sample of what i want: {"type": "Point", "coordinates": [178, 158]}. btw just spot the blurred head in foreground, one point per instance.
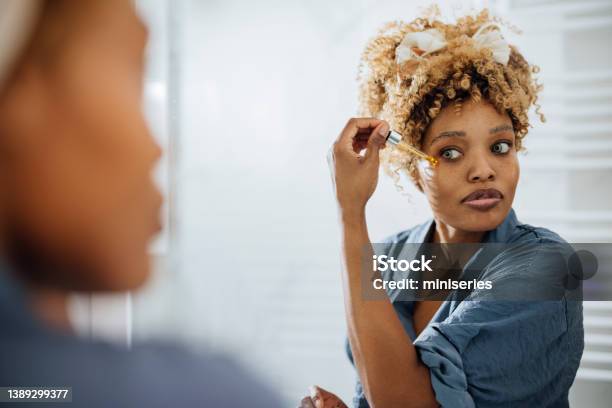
{"type": "Point", "coordinates": [78, 206]}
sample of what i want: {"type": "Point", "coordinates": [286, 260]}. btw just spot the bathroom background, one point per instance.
{"type": "Point", "coordinates": [246, 97]}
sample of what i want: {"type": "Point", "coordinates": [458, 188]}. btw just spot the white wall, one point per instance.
{"type": "Point", "coordinates": [266, 87]}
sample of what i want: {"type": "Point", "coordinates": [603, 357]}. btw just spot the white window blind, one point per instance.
{"type": "Point", "coordinates": [566, 173]}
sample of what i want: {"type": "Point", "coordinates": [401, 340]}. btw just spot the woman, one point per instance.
{"type": "Point", "coordinates": [461, 94]}
{"type": "Point", "coordinates": [78, 208]}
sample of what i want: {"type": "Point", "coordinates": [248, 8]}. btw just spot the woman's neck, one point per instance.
{"type": "Point", "coordinates": [51, 306]}
{"type": "Point", "coordinates": [445, 234]}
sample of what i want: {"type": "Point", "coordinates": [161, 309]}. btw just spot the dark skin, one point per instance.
{"type": "Point", "coordinates": [476, 151]}
{"type": "Point", "coordinates": [79, 206]}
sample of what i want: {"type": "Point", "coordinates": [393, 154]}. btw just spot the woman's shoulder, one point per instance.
{"type": "Point", "coordinates": [513, 231]}
{"type": "Point", "coordinates": [532, 263]}
{"type": "Point", "coordinates": [526, 232]}
{"type": "Point", "coordinates": [530, 245]}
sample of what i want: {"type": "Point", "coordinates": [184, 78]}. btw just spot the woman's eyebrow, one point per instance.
{"type": "Point", "coordinates": [448, 133]}
{"type": "Point", "coordinates": [460, 133]}
{"type": "Point", "coordinates": [501, 128]}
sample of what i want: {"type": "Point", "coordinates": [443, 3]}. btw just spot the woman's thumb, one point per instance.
{"type": "Point", "coordinates": [317, 396]}
{"type": "Point", "coordinates": [376, 141]}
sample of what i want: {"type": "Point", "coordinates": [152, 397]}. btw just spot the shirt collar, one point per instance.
{"type": "Point", "coordinates": [502, 233]}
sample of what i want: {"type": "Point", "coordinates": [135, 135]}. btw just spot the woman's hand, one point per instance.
{"type": "Point", "coordinates": [355, 176]}
{"type": "Point", "coordinates": [320, 398]}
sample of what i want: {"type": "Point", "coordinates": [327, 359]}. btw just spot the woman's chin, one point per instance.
{"type": "Point", "coordinates": [135, 276]}
{"type": "Point", "coordinates": [478, 220]}
{"type": "Point", "coordinates": [123, 275]}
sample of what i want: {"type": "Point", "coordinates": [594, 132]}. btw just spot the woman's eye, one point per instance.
{"type": "Point", "coordinates": [500, 148]}
{"type": "Point", "coordinates": [450, 154]}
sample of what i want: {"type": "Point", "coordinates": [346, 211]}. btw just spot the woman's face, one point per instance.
{"type": "Point", "coordinates": [473, 186]}
{"type": "Point", "coordinates": [78, 202]}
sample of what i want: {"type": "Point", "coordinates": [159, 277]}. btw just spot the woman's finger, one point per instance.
{"type": "Point", "coordinates": [307, 403]}
{"type": "Point", "coordinates": [376, 142]}
{"type": "Point", "coordinates": [325, 399]}
{"type": "Point", "coordinates": [316, 391]}
{"type": "Point", "coordinates": [320, 397]}
{"type": "Point", "coordinates": [359, 145]}
{"type": "Point", "coordinates": [353, 127]}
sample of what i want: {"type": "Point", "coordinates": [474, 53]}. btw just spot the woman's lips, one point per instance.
{"type": "Point", "coordinates": [483, 199]}
{"type": "Point", "coordinates": [483, 204]}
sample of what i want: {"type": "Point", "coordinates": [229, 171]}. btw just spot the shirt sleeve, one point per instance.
{"type": "Point", "coordinates": [500, 351]}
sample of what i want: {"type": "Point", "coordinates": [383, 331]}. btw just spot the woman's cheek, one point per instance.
{"type": "Point", "coordinates": [510, 173]}
{"type": "Point", "coordinates": [437, 183]}
{"type": "Point", "coordinates": [428, 174]}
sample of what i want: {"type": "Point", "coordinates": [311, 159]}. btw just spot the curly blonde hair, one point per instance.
{"type": "Point", "coordinates": [410, 95]}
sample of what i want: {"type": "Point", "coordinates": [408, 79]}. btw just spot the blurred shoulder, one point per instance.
{"type": "Point", "coordinates": [147, 375]}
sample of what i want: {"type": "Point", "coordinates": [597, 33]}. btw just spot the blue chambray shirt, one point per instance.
{"type": "Point", "coordinates": [489, 353]}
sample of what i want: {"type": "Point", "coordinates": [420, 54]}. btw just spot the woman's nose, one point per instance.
{"type": "Point", "coordinates": [481, 170]}
{"type": "Point", "coordinates": [153, 149]}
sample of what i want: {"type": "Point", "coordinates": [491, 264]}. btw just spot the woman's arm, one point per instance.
{"type": "Point", "coordinates": [386, 361]}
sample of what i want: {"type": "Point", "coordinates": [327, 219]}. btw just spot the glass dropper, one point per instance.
{"type": "Point", "coordinates": [395, 139]}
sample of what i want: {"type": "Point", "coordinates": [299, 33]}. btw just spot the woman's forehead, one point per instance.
{"type": "Point", "coordinates": [472, 119]}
